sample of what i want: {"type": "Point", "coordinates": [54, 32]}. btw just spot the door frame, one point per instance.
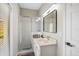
{"type": "Point", "coordinates": [9, 25]}
{"type": "Point", "coordinates": [64, 30]}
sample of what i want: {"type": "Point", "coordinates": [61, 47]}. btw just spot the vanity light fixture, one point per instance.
{"type": "Point", "coordinates": [38, 19]}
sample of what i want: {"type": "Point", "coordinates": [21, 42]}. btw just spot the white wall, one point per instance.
{"type": "Point", "coordinates": [60, 18]}
{"type": "Point", "coordinates": [14, 16]}
{"type": "Point", "coordinates": [28, 12]}
{"type": "Point", "coordinates": [37, 24]}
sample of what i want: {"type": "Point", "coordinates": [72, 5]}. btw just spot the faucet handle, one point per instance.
{"type": "Point", "coordinates": [48, 37]}
{"type": "Point", "coordinates": [42, 36]}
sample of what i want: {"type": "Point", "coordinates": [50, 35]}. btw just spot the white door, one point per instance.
{"type": "Point", "coordinates": [26, 33]}
{"type": "Point", "coordinates": [72, 29]}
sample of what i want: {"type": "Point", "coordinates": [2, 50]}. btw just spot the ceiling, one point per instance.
{"type": "Point", "coordinates": [34, 6]}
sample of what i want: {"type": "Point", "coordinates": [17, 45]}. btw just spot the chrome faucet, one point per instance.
{"type": "Point", "coordinates": [42, 36]}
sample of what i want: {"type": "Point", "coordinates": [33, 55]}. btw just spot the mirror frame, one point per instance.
{"type": "Point", "coordinates": [44, 22]}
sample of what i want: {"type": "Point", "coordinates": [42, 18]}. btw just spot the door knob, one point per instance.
{"type": "Point", "coordinates": [69, 44]}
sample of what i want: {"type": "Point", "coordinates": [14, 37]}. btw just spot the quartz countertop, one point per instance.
{"type": "Point", "coordinates": [44, 41]}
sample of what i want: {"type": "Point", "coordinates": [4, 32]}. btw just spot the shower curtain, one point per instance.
{"type": "Point", "coordinates": [24, 33]}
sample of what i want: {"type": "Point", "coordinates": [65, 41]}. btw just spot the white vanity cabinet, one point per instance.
{"type": "Point", "coordinates": [43, 47]}
{"type": "Point", "coordinates": [36, 49]}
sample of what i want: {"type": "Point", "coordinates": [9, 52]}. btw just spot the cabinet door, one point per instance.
{"type": "Point", "coordinates": [49, 50]}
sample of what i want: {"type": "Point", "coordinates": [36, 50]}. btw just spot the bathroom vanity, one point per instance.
{"type": "Point", "coordinates": [44, 47]}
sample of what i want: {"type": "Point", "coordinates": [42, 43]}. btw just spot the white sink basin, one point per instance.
{"type": "Point", "coordinates": [45, 41]}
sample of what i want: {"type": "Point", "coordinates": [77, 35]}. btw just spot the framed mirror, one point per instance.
{"type": "Point", "coordinates": [50, 22]}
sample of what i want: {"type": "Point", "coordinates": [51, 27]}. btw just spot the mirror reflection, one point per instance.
{"type": "Point", "coordinates": [50, 22]}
